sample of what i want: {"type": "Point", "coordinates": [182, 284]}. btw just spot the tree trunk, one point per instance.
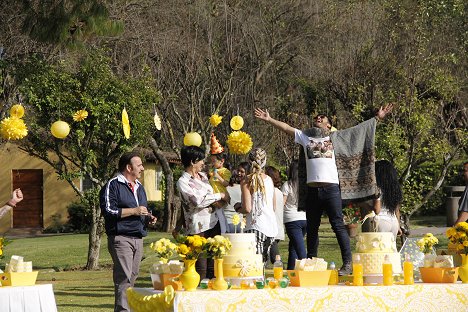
{"type": "Point", "coordinates": [95, 235]}
{"type": "Point", "coordinates": [170, 210]}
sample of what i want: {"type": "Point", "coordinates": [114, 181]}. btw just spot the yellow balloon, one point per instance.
{"type": "Point", "coordinates": [17, 111]}
{"type": "Point", "coordinates": [192, 139]}
{"type": "Point", "coordinates": [60, 129]}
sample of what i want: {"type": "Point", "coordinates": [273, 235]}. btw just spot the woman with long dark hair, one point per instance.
{"type": "Point", "coordinates": [294, 220]}
{"type": "Point", "coordinates": [387, 205]}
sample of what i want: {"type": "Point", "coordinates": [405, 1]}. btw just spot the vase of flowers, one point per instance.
{"type": "Point", "coordinates": [162, 271]}
{"type": "Point", "coordinates": [216, 248]}
{"type": "Point", "coordinates": [351, 218]}
{"type": "Point", "coordinates": [426, 245]}
{"type": "Point", "coordinates": [190, 248]}
{"type": "Point", "coordinates": [458, 236]}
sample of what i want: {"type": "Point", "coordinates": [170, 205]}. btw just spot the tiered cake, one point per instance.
{"type": "Point", "coordinates": [242, 260]}
{"type": "Point", "coordinates": [372, 248]}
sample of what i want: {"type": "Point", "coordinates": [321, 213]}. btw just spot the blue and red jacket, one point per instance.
{"type": "Point", "coordinates": [114, 196]}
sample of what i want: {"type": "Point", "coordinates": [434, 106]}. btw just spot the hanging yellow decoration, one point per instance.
{"type": "Point", "coordinates": [13, 128]}
{"type": "Point", "coordinates": [80, 115]}
{"type": "Point", "coordinates": [215, 120]}
{"type": "Point", "coordinates": [192, 139]}
{"type": "Point", "coordinates": [60, 129]}
{"type": "Point", "coordinates": [157, 121]}
{"type": "Point", "coordinates": [125, 124]}
{"type": "Point", "coordinates": [239, 142]}
{"type": "Point", "coordinates": [17, 111]}
{"type": "Point", "coordinates": [237, 122]}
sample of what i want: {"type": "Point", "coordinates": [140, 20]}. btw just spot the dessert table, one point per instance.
{"type": "Point", "coordinates": [418, 297]}
{"type": "Point", "coordinates": [37, 298]}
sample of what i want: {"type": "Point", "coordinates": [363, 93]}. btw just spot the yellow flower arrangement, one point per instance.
{"type": "Point", "coordinates": [239, 142]}
{"type": "Point", "coordinates": [426, 243]}
{"type": "Point", "coordinates": [217, 247]}
{"type": "Point", "coordinates": [215, 120]}
{"type": "Point", "coordinates": [458, 235]}
{"type": "Point", "coordinates": [3, 243]}
{"type": "Point", "coordinates": [80, 115]}
{"type": "Point", "coordinates": [235, 221]}
{"type": "Point", "coordinates": [164, 249]}
{"type": "Point", "coordinates": [190, 247]}
{"type": "Point", "coordinates": [237, 122]}
{"type": "Point", "coordinates": [13, 128]}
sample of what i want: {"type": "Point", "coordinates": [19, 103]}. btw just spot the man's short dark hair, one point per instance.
{"type": "Point", "coordinates": [126, 159]}
{"type": "Point", "coordinates": [328, 118]}
{"type": "Point", "coordinates": [191, 154]}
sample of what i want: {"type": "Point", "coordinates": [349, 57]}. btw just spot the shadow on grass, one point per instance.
{"type": "Point", "coordinates": [83, 294]}
{"type": "Point", "coordinates": [98, 306]}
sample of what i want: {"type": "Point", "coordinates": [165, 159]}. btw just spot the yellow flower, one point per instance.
{"type": "Point", "coordinates": [13, 128]}
{"type": "Point", "coordinates": [215, 120]}
{"type": "Point", "coordinates": [237, 122]}
{"type": "Point", "coordinates": [183, 249]}
{"type": "Point", "coordinates": [235, 219]}
{"type": "Point", "coordinates": [239, 142]}
{"type": "Point", "coordinates": [80, 115]}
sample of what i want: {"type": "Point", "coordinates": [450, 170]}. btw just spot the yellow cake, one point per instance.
{"type": "Point", "coordinates": [372, 248]}
{"type": "Point", "coordinates": [242, 260]}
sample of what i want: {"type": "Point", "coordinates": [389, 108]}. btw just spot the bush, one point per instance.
{"type": "Point", "coordinates": [79, 217]}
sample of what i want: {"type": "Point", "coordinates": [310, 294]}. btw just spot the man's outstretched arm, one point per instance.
{"type": "Point", "coordinates": [264, 115]}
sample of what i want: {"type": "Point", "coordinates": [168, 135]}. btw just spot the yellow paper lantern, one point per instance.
{"type": "Point", "coordinates": [192, 139]}
{"type": "Point", "coordinates": [17, 111]}
{"type": "Point", "coordinates": [60, 129]}
{"type": "Point", "coordinates": [237, 122]}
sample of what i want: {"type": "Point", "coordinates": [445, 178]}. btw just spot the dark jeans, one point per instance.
{"type": "Point", "coordinates": [326, 198]}
{"type": "Point", "coordinates": [296, 230]}
{"type": "Point", "coordinates": [204, 266]}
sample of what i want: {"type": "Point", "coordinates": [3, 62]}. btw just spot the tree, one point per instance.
{"type": "Point", "coordinates": [57, 91]}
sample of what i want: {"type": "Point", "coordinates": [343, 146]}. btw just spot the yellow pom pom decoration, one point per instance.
{"type": "Point", "coordinates": [80, 115]}
{"type": "Point", "coordinates": [13, 128]}
{"type": "Point", "coordinates": [239, 142]}
{"type": "Point", "coordinates": [215, 120]}
{"type": "Point", "coordinates": [237, 122]}
{"type": "Point", "coordinates": [125, 124]}
{"type": "Point", "coordinates": [17, 111]}
{"type": "Point", "coordinates": [60, 129]}
{"type": "Point", "coordinates": [192, 139]}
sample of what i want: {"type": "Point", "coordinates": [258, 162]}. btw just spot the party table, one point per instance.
{"type": "Point", "coordinates": [37, 298]}
{"type": "Point", "coordinates": [419, 297]}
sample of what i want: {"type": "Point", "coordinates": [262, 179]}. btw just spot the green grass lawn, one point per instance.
{"type": "Point", "coordinates": [59, 258]}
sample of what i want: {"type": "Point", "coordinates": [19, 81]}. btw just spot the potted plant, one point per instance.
{"type": "Point", "coordinates": [351, 218]}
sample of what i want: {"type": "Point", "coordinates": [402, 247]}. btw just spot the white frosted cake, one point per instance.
{"type": "Point", "coordinates": [242, 260]}
{"type": "Point", "coordinates": [372, 248]}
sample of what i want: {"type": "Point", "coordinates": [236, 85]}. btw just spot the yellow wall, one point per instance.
{"type": "Point", "coordinates": [149, 182]}
{"type": "Point", "coordinates": [57, 194]}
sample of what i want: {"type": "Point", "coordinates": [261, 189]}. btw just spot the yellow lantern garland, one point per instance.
{"type": "Point", "coordinates": [237, 122]}
{"type": "Point", "coordinates": [239, 142]}
{"type": "Point", "coordinates": [125, 124]}
{"type": "Point", "coordinates": [60, 129]}
{"type": "Point", "coordinates": [215, 120]}
{"type": "Point", "coordinates": [13, 128]}
{"type": "Point", "coordinates": [80, 115]}
{"type": "Point", "coordinates": [192, 139]}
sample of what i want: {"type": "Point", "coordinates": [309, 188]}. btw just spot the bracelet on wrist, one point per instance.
{"type": "Point", "coordinates": [9, 203]}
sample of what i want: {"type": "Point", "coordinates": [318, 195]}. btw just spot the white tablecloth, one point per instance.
{"type": "Point", "coordinates": [37, 298]}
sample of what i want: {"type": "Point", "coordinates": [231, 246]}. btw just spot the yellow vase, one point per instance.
{"type": "Point", "coordinates": [219, 282]}
{"type": "Point", "coordinates": [190, 277]}
{"type": "Point", "coordinates": [463, 270]}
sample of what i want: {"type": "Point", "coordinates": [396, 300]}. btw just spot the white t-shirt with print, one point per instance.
{"type": "Point", "coordinates": [320, 158]}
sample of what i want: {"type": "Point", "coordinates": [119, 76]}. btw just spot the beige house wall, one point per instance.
{"type": "Point", "coordinates": [57, 194]}
{"type": "Point", "coordinates": [148, 180]}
